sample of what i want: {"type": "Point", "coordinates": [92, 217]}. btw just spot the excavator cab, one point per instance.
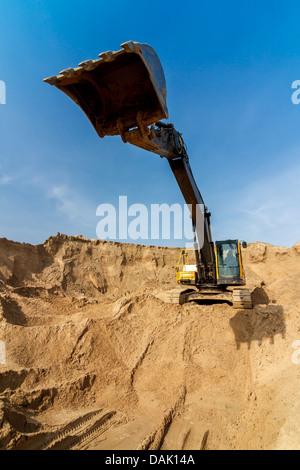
{"type": "Point", "coordinates": [229, 268]}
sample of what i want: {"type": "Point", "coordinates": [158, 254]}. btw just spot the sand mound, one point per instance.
{"type": "Point", "coordinates": [96, 360]}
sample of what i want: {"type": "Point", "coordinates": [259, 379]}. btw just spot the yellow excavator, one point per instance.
{"type": "Point", "coordinates": [124, 93]}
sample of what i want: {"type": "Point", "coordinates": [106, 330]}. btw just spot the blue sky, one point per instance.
{"type": "Point", "coordinates": [229, 68]}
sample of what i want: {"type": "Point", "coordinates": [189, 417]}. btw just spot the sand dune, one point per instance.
{"type": "Point", "coordinates": [96, 360]}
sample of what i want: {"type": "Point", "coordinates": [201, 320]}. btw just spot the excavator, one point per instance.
{"type": "Point", "coordinates": [124, 93]}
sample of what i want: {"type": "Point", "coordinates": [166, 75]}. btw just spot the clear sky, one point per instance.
{"type": "Point", "coordinates": [229, 68]}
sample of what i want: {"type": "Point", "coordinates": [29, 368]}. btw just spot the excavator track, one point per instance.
{"type": "Point", "coordinates": [239, 297]}
{"type": "Point", "coordinates": [176, 296]}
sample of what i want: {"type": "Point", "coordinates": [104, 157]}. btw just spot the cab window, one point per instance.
{"type": "Point", "coordinates": [228, 260]}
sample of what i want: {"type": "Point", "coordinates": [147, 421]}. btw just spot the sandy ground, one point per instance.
{"type": "Point", "coordinates": [96, 360]}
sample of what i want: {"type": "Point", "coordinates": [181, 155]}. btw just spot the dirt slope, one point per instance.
{"type": "Point", "coordinates": [95, 359]}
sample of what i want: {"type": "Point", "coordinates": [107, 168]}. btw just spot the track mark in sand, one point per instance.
{"type": "Point", "coordinates": [185, 439]}
{"type": "Point", "coordinates": [96, 430]}
{"type": "Point", "coordinates": [156, 439]}
{"type": "Point", "coordinates": [204, 441]}
{"type": "Point", "coordinates": [73, 426]}
{"type": "Point", "coordinates": [45, 440]}
{"type": "Point", "coordinates": [79, 435]}
{"type": "Point", "coordinates": [73, 432]}
{"type": "Point", "coordinates": [76, 426]}
{"type": "Point", "coordinates": [139, 362]}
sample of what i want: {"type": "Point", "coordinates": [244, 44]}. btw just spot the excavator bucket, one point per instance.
{"type": "Point", "coordinates": [120, 91]}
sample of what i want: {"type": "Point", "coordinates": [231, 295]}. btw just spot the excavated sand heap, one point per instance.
{"type": "Point", "coordinates": [94, 359]}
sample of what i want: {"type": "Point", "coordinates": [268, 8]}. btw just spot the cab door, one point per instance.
{"type": "Point", "coordinates": [229, 263]}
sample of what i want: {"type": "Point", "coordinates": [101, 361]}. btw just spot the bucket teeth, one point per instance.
{"type": "Point", "coordinates": [107, 56]}
{"type": "Point", "coordinates": [52, 80]}
{"type": "Point", "coordinates": [68, 73]}
{"type": "Point", "coordinates": [131, 46]}
{"type": "Point", "coordinates": [89, 64]}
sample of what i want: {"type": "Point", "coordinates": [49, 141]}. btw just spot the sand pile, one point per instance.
{"type": "Point", "coordinates": [96, 360]}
